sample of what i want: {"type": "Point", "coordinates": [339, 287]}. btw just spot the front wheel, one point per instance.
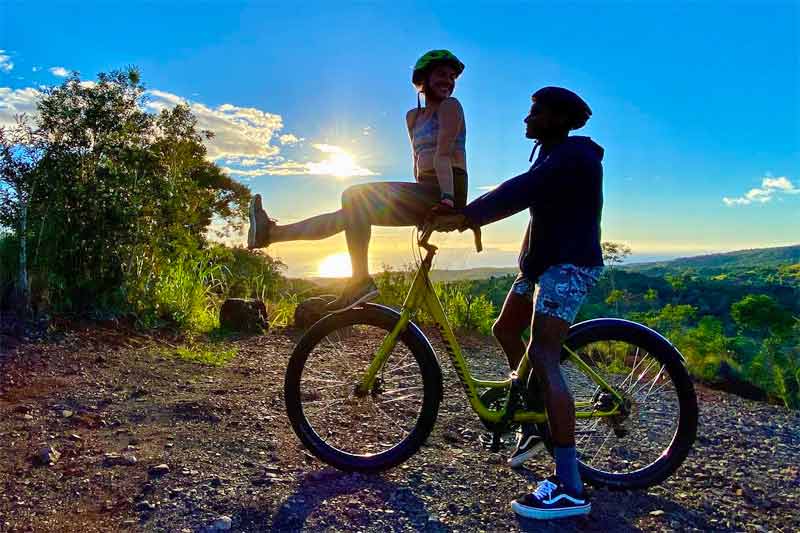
{"type": "Point", "coordinates": [644, 446]}
{"type": "Point", "coordinates": [376, 431]}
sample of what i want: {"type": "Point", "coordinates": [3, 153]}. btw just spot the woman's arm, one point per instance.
{"type": "Point", "coordinates": [410, 119]}
{"type": "Point", "coordinates": [451, 120]}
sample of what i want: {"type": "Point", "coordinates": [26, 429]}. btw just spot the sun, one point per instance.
{"type": "Point", "coordinates": [342, 165]}
{"type": "Point", "coordinates": [337, 163]}
{"type": "Point", "coordinates": [335, 266]}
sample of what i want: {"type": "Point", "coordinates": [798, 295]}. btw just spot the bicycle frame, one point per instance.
{"type": "Point", "coordinates": [422, 296]}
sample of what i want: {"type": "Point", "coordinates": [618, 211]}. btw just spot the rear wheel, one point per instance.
{"type": "Point", "coordinates": [386, 426]}
{"type": "Point", "coordinates": [647, 444]}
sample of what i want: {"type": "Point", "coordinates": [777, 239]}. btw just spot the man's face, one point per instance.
{"type": "Point", "coordinates": [538, 121]}
{"type": "Point", "coordinates": [442, 82]}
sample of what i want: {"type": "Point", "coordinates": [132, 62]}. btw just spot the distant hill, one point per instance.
{"type": "Point", "coordinates": [473, 273]}
{"type": "Point", "coordinates": [436, 275]}
{"type": "Point", "coordinates": [707, 265]}
{"type": "Point", "coordinates": [716, 263]}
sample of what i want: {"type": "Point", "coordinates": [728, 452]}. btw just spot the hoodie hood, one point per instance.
{"type": "Point", "coordinates": [586, 144]}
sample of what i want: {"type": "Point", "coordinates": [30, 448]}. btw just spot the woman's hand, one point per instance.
{"type": "Point", "coordinates": [442, 217]}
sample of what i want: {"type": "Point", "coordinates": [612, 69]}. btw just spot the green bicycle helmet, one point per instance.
{"type": "Point", "coordinates": [431, 59]}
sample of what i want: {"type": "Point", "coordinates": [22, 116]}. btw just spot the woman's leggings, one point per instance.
{"type": "Point", "coordinates": [373, 204]}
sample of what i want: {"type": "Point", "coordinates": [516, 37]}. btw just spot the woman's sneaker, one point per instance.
{"type": "Point", "coordinates": [260, 224]}
{"type": "Point", "coordinates": [551, 500]}
{"type": "Point", "coordinates": [354, 293]}
{"type": "Point", "coordinates": [529, 443]}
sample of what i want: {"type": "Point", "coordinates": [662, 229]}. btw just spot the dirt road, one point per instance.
{"type": "Point", "coordinates": [104, 432]}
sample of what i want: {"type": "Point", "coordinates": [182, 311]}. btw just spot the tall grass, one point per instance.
{"type": "Point", "coordinates": [464, 307]}
{"type": "Point", "coordinates": [188, 291]}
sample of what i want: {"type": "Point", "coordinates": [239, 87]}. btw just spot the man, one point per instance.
{"type": "Point", "coordinates": [562, 257]}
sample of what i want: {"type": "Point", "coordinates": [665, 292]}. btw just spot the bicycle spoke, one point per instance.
{"type": "Point", "coordinates": [633, 439]}
{"type": "Point", "coordinates": [361, 425]}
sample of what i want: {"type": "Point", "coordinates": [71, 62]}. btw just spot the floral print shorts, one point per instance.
{"type": "Point", "coordinates": [561, 289]}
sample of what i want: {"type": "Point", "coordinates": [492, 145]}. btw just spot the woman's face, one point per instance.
{"type": "Point", "coordinates": [441, 82]}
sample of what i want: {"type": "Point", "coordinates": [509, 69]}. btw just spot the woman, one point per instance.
{"type": "Point", "coordinates": [438, 134]}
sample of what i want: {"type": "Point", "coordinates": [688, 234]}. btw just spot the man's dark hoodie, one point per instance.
{"type": "Point", "coordinates": [564, 192]}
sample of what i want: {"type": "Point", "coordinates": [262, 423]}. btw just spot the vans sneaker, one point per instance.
{"type": "Point", "coordinates": [551, 500]}
{"type": "Point", "coordinates": [529, 443]}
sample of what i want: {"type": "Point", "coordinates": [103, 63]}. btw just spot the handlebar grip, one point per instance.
{"type": "Point", "coordinates": [478, 243]}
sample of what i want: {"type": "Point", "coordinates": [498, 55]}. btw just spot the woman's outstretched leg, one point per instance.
{"type": "Point", "coordinates": [310, 229]}
{"type": "Point", "coordinates": [264, 231]}
{"type": "Point", "coordinates": [382, 204]}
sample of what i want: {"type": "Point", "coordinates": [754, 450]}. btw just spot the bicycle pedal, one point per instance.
{"type": "Point", "coordinates": [492, 442]}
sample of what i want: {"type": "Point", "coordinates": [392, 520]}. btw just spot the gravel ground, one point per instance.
{"type": "Point", "coordinates": [104, 431]}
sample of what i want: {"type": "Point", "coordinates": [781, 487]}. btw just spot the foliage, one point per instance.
{"type": "Point", "coordinates": [115, 187]}
{"type": "Point", "coordinates": [761, 314]}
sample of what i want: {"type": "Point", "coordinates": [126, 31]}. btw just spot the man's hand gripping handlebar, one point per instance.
{"type": "Point", "coordinates": [445, 218]}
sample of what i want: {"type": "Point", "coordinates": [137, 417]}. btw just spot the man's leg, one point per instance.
{"type": "Point", "coordinates": [559, 295]}
{"type": "Point", "coordinates": [514, 318]}
{"type": "Point", "coordinates": [548, 334]}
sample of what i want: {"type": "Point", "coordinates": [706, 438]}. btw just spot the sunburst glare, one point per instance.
{"type": "Point", "coordinates": [335, 266]}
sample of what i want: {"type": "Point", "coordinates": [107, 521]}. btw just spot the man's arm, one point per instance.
{"type": "Point", "coordinates": [516, 194]}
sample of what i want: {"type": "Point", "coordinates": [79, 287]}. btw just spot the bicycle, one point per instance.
{"type": "Point", "coordinates": [363, 389]}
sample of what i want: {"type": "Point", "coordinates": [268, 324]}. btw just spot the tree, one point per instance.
{"type": "Point", "coordinates": [614, 253]}
{"type": "Point", "coordinates": [20, 153]}
{"type": "Point", "coordinates": [761, 314]}
{"type": "Point", "coordinates": [651, 296]}
{"type": "Point", "coordinates": [118, 187]}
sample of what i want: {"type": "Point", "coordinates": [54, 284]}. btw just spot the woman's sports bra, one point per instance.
{"type": "Point", "coordinates": [426, 135]}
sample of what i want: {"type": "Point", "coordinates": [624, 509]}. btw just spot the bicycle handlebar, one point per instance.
{"type": "Point", "coordinates": [427, 231]}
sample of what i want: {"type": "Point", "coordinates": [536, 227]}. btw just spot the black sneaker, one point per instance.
{"type": "Point", "coordinates": [354, 293]}
{"type": "Point", "coordinates": [551, 500]}
{"type": "Point", "coordinates": [260, 224]}
{"type": "Point", "coordinates": [529, 443]}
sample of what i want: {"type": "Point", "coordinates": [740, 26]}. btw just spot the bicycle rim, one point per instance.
{"type": "Point", "coordinates": [633, 448]}
{"type": "Point", "coordinates": [360, 426]}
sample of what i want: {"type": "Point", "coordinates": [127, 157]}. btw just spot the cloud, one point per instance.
{"type": "Point", "coordinates": [61, 72]}
{"type": "Point", "coordinates": [238, 131]}
{"type": "Point", "coordinates": [281, 168]}
{"type": "Point", "coordinates": [36, 69]}
{"type": "Point", "coordinates": [338, 163]}
{"type": "Point", "coordinates": [329, 148]}
{"type": "Point", "coordinates": [6, 65]}
{"type": "Point", "coordinates": [246, 143]}
{"type": "Point", "coordinates": [288, 138]}
{"type": "Point", "coordinates": [770, 188]}
{"type": "Point", "coordinates": [15, 102]}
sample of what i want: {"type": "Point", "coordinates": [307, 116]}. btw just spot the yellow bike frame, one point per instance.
{"type": "Point", "coordinates": [423, 296]}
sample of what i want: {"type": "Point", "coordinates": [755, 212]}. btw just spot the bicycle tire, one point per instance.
{"type": "Point", "coordinates": [414, 340]}
{"type": "Point", "coordinates": [610, 329]}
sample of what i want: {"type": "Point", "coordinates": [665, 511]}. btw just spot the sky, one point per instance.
{"type": "Point", "coordinates": [696, 104]}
